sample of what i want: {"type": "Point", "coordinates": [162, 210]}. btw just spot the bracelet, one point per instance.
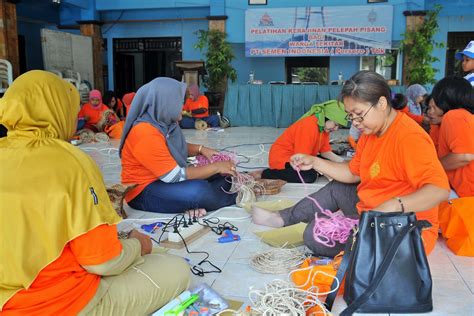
{"type": "Point", "coordinates": [401, 203]}
{"type": "Point", "coordinates": [199, 150]}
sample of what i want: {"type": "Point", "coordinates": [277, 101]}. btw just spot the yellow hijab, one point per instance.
{"type": "Point", "coordinates": [50, 191]}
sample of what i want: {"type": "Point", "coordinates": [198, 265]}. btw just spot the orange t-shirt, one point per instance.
{"type": "Point", "coordinates": [201, 102]}
{"type": "Point", "coordinates": [145, 158]}
{"type": "Point", "coordinates": [417, 118]}
{"type": "Point", "coordinates": [434, 134]}
{"type": "Point", "coordinates": [302, 137]}
{"type": "Point", "coordinates": [456, 135]}
{"type": "Point", "coordinates": [395, 164]}
{"type": "Point", "coordinates": [64, 287]}
{"type": "Point", "coordinates": [93, 114]}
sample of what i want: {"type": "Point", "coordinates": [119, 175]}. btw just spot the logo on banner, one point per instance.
{"type": "Point", "coordinates": [266, 20]}
{"type": "Point", "coordinates": [372, 16]}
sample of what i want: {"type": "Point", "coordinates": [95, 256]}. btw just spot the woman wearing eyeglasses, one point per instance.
{"type": "Point", "coordinates": [395, 168]}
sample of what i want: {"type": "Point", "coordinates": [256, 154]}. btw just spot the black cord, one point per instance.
{"type": "Point", "coordinates": [214, 224]}
{"type": "Point", "coordinates": [113, 24]}
{"type": "Point", "coordinates": [197, 269]}
{"type": "Point", "coordinates": [235, 146]}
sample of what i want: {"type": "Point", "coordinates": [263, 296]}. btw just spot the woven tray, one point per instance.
{"type": "Point", "coordinates": [271, 186]}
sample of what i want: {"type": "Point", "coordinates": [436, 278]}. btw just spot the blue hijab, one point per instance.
{"type": "Point", "coordinates": [159, 103]}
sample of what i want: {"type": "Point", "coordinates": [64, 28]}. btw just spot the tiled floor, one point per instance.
{"type": "Point", "coordinates": [453, 276]}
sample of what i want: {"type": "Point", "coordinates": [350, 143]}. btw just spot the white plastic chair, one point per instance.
{"type": "Point", "coordinates": [6, 75]}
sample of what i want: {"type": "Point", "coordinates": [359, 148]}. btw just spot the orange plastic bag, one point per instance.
{"type": "Point", "coordinates": [321, 275]}
{"type": "Point", "coordinates": [456, 220]}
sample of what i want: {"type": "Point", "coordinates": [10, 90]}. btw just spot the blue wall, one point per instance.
{"type": "Point", "coordinates": [266, 69]}
{"type": "Point", "coordinates": [32, 16]}
{"type": "Point", "coordinates": [455, 16]}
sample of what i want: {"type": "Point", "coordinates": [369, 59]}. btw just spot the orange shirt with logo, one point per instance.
{"type": "Point", "coordinates": [398, 163]}
{"type": "Point", "coordinates": [201, 102]}
{"type": "Point", "coordinates": [303, 137]}
{"type": "Point", "coordinates": [93, 114]}
{"type": "Point", "coordinates": [64, 287]}
{"type": "Point", "coordinates": [456, 135]}
{"type": "Point", "coordinates": [145, 158]}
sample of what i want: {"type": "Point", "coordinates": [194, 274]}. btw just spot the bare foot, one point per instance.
{"type": "Point", "coordinates": [257, 175]}
{"type": "Point", "coordinates": [261, 216]}
{"type": "Point", "coordinates": [199, 212]}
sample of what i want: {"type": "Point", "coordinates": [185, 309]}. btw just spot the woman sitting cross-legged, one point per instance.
{"type": "Point", "coordinates": [196, 108]}
{"type": "Point", "coordinates": [59, 250]}
{"type": "Point", "coordinates": [309, 135]}
{"type": "Point", "coordinates": [395, 168]}
{"type": "Point", "coordinates": [154, 153]}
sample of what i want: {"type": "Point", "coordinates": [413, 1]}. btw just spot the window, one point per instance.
{"type": "Point", "coordinates": [307, 70]}
{"type": "Point", "coordinates": [386, 65]}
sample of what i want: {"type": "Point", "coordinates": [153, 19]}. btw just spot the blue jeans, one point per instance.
{"type": "Point", "coordinates": [188, 122]}
{"type": "Point", "coordinates": [162, 197]}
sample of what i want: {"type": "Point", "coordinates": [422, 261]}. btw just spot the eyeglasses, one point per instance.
{"type": "Point", "coordinates": [358, 119]}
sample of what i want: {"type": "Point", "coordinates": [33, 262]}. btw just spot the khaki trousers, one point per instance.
{"type": "Point", "coordinates": [133, 293]}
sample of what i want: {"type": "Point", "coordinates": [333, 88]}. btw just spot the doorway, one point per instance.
{"type": "Point", "coordinates": [140, 60]}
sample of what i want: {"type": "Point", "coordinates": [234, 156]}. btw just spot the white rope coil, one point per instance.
{"type": "Point", "coordinates": [283, 298]}
{"type": "Point", "coordinates": [277, 261]}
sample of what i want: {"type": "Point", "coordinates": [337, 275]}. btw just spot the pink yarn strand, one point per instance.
{"type": "Point", "coordinates": [335, 228]}
{"type": "Point", "coordinates": [203, 161]}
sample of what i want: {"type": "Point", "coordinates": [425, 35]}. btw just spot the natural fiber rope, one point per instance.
{"type": "Point", "coordinates": [283, 298]}
{"type": "Point", "coordinates": [101, 137]}
{"type": "Point", "coordinates": [277, 261]}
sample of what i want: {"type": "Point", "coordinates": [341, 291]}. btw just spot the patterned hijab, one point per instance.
{"type": "Point", "coordinates": [329, 110]}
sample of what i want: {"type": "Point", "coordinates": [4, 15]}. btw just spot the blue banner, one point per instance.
{"type": "Point", "coordinates": [318, 31]}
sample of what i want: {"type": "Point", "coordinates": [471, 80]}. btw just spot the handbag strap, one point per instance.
{"type": "Point", "coordinates": [384, 266]}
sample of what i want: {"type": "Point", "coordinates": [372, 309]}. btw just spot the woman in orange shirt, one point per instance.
{"type": "Point", "coordinates": [309, 135]}
{"type": "Point", "coordinates": [127, 100]}
{"type": "Point", "coordinates": [197, 107]}
{"type": "Point", "coordinates": [394, 168]}
{"type": "Point", "coordinates": [434, 115]}
{"type": "Point", "coordinates": [91, 112]}
{"type": "Point", "coordinates": [453, 96]}
{"type": "Point", "coordinates": [154, 153]}
{"type": "Point", "coordinates": [115, 104]}
{"type": "Point", "coordinates": [59, 250]}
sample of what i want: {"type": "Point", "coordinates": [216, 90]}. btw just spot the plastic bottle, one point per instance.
{"type": "Point", "coordinates": [340, 78]}
{"type": "Point", "coordinates": [251, 77]}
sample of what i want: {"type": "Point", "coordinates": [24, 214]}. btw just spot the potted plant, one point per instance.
{"type": "Point", "coordinates": [418, 45]}
{"type": "Point", "coordinates": [219, 55]}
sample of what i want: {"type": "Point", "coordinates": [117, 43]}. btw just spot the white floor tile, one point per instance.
{"type": "Point", "coordinates": [453, 275]}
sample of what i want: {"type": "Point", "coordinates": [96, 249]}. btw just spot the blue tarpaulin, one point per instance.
{"type": "Point", "coordinates": [275, 105]}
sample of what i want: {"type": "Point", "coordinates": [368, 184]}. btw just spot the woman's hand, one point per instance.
{"type": "Point", "coordinates": [226, 167]}
{"type": "Point", "coordinates": [302, 162]}
{"type": "Point", "coordinates": [144, 240]}
{"type": "Point", "coordinates": [208, 152]}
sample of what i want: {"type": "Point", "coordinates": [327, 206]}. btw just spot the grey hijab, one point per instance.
{"type": "Point", "coordinates": [414, 91]}
{"type": "Point", "coordinates": [159, 103]}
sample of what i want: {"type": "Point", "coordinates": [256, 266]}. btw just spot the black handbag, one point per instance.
{"type": "Point", "coordinates": [385, 266]}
